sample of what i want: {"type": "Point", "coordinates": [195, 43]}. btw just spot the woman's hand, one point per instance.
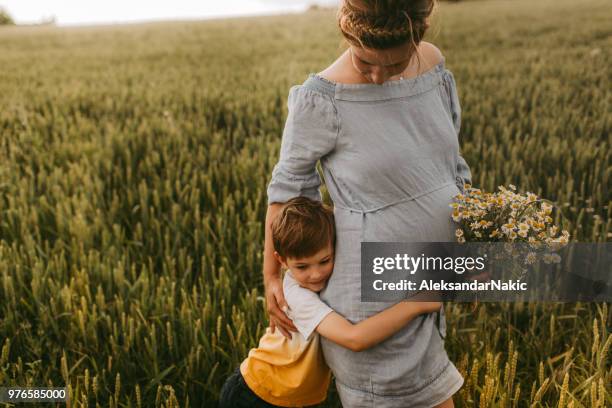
{"type": "Point", "coordinates": [276, 303]}
{"type": "Point", "coordinates": [480, 277]}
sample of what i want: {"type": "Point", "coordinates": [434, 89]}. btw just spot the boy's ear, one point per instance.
{"type": "Point", "coordinates": [280, 259]}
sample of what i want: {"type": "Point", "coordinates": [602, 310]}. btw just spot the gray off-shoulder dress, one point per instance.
{"type": "Point", "coordinates": [391, 162]}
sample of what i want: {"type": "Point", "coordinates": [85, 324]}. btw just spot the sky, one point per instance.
{"type": "Point", "coordinates": [83, 12]}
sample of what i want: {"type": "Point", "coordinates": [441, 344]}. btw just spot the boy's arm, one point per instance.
{"type": "Point", "coordinates": [375, 329]}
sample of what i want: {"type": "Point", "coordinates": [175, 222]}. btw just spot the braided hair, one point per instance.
{"type": "Point", "coordinates": [383, 24]}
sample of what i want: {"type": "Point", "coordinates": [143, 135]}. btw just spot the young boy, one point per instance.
{"type": "Point", "coordinates": [292, 373]}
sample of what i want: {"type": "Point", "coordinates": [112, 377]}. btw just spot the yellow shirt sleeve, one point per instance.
{"type": "Point", "coordinates": [287, 373]}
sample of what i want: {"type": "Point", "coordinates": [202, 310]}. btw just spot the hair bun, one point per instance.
{"type": "Point", "coordinates": [384, 24]}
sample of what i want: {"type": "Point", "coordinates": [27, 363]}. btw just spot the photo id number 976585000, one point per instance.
{"type": "Point", "coordinates": [32, 394]}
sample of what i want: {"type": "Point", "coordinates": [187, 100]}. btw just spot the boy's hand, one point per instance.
{"type": "Point", "coordinates": [430, 307]}
{"type": "Point", "coordinates": [430, 302]}
{"type": "Point", "coordinates": [276, 303]}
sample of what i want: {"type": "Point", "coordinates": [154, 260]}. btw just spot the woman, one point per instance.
{"type": "Point", "coordinates": [384, 120]}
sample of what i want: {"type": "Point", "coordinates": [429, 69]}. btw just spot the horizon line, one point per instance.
{"type": "Point", "coordinates": [49, 21]}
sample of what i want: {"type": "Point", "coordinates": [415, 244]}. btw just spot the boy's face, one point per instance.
{"type": "Point", "coordinates": [311, 272]}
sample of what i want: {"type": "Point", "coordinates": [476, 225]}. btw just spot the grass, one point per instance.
{"type": "Point", "coordinates": [133, 166]}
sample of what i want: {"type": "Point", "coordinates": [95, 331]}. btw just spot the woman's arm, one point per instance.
{"type": "Point", "coordinates": [275, 298]}
{"type": "Point", "coordinates": [309, 134]}
{"type": "Point", "coordinates": [375, 329]}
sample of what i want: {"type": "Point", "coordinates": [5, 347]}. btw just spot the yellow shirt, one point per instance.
{"type": "Point", "coordinates": [291, 373]}
{"type": "Point", "coordinates": [287, 373]}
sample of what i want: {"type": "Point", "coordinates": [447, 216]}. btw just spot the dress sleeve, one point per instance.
{"type": "Point", "coordinates": [464, 175]}
{"type": "Point", "coordinates": [309, 134]}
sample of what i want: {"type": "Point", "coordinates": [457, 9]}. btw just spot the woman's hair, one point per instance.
{"type": "Point", "coordinates": [383, 24]}
{"type": "Point", "coordinates": [303, 228]}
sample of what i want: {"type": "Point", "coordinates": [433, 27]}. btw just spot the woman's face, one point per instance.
{"type": "Point", "coordinates": [379, 66]}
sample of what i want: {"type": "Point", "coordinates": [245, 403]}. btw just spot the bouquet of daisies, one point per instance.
{"type": "Point", "coordinates": [510, 217]}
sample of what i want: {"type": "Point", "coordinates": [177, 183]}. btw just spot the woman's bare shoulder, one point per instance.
{"type": "Point", "coordinates": [339, 71]}
{"type": "Point", "coordinates": [430, 53]}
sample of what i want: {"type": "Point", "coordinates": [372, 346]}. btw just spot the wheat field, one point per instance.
{"type": "Point", "coordinates": [134, 161]}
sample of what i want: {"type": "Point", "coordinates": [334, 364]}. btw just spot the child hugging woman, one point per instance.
{"type": "Point", "coordinates": [383, 119]}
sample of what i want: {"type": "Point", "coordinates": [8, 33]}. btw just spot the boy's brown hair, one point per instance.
{"type": "Point", "coordinates": [303, 228]}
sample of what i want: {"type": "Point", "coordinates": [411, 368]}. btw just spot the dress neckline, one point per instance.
{"type": "Point", "coordinates": [387, 90]}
